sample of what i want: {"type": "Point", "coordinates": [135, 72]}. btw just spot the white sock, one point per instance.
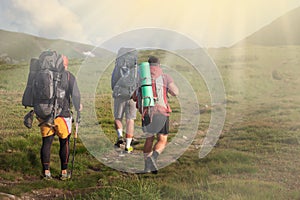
{"type": "Point", "coordinates": [128, 142]}
{"type": "Point", "coordinates": [120, 132]}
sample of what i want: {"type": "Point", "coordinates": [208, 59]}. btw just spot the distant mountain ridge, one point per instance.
{"type": "Point", "coordinates": [16, 46]}
{"type": "Point", "coordinates": [21, 47]}
{"type": "Point", "coordinates": [282, 31]}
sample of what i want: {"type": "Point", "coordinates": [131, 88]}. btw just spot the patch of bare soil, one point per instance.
{"type": "Point", "coordinates": [46, 194]}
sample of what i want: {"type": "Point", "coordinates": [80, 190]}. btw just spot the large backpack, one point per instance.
{"type": "Point", "coordinates": [46, 86]}
{"type": "Point", "coordinates": [124, 76]}
{"type": "Point", "coordinates": [160, 91]}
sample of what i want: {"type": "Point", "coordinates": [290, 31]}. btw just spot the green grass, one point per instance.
{"type": "Point", "coordinates": [257, 156]}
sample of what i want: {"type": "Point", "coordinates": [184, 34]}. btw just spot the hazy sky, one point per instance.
{"type": "Point", "coordinates": [211, 23]}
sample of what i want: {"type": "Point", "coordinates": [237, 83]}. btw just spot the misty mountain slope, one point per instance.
{"type": "Point", "coordinates": [282, 31]}
{"type": "Point", "coordinates": [21, 46]}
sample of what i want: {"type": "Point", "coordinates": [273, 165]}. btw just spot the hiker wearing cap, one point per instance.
{"type": "Point", "coordinates": [62, 126]}
{"type": "Point", "coordinates": [155, 119]}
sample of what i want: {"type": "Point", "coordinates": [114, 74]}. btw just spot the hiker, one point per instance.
{"type": "Point", "coordinates": [155, 120]}
{"type": "Point", "coordinates": [62, 126]}
{"type": "Point", "coordinates": [123, 85]}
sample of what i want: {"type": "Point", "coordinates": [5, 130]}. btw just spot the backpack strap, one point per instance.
{"type": "Point", "coordinates": [160, 91]}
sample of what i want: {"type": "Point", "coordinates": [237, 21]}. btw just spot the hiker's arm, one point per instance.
{"type": "Point", "coordinates": [173, 89]}
{"type": "Point", "coordinates": [75, 94]}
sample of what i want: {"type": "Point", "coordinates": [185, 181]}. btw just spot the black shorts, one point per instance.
{"type": "Point", "coordinates": [158, 124]}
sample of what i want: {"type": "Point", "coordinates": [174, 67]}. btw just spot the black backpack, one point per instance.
{"type": "Point", "coordinates": [124, 76]}
{"type": "Point", "coordinates": [46, 86]}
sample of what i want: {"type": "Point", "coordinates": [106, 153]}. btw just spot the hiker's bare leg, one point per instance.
{"type": "Point", "coordinates": [119, 127]}
{"type": "Point", "coordinates": [148, 145]}
{"type": "Point", "coordinates": [118, 124]}
{"type": "Point", "coordinates": [161, 143]}
{"type": "Point", "coordinates": [129, 131]}
{"type": "Point", "coordinates": [129, 127]}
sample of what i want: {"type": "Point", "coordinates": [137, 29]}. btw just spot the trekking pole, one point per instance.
{"type": "Point", "coordinates": [75, 137]}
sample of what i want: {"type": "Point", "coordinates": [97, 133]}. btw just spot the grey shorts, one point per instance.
{"type": "Point", "coordinates": [122, 106]}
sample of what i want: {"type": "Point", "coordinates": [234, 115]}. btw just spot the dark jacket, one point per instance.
{"type": "Point", "coordinates": [72, 91]}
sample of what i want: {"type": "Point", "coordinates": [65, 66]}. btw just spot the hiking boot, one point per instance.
{"type": "Point", "coordinates": [150, 165]}
{"type": "Point", "coordinates": [47, 176]}
{"type": "Point", "coordinates": [119, 141]}
{"type": "Point", "coordinates": [65, 177]}
{"type": "Point", "coordinates": [129, 149]}
{"type": "Point", "coordinates": [147, 167]}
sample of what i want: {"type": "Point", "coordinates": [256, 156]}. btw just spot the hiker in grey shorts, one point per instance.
{"type": "Point", "coordinates": [122, 106]}
{"type": "Point", "coordinates": [127, 107]}
{"type": "Point", "coordinates": [123, 85]}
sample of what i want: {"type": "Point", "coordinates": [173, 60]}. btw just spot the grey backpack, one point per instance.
{"type": "Point", "coordinates": [124, 76]}
{"type": "Point", "coordinates": [46, 86]}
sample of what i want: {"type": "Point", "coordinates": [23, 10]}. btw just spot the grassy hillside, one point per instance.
{"type": "Point", "coordinates": [21, 47]}
{"type": "Point", "coordinates": [256, 157]}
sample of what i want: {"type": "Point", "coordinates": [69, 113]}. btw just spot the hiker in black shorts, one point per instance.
{"type": "Point", "coordinates": [157, 120]}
